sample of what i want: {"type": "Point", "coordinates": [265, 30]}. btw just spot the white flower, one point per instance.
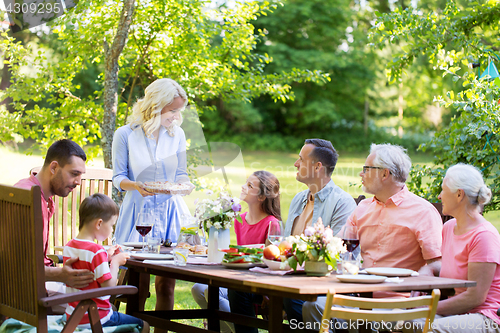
{"type": "Point", "coordinates": [236, 200]}
{"type": "Point", "coordinates": [231, 214]}
{"type": "Point", "coordinates": [217, 208]}
{"type": "Point", "coordinates": [292, 239]}
{"type": "Point", "coordinates": [302, 247]}
{"type": "Point", "coordinates": [209, 192]}
{"type": "Point", "coordinates": [209, 224]}
{"type": "Point", "coordinates": [217, 225]}
{"type": "Point", "coordinates": [328, 234]}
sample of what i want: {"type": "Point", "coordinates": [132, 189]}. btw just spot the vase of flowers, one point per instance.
{"type": "Point", "coordinates": [215, 218]}
{"type": "Point", "coordinates": [318, 248]}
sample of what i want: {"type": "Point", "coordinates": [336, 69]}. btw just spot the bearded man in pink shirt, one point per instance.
{"type": "Point", "coordinates": [396, 228]}
{"type": "Point", "coordinates": [60, 174]}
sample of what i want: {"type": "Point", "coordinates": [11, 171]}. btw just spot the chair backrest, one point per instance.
{"type": "Point", "coordinates": [358, 308]}
{"type": "Point", "coordinates": [359, 198]}
{"type": "Point", "coordinates": [439, 207]}
{"type": "Point", "coordinates": [22, 276]}
{"type": "Point", "coordinates": [64, 224]}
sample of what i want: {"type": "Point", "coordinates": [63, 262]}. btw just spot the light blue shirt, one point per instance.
{"type": "Point", "coordinates": [332, 204]}
{"type": "Point", "coordinates": [138, 158]}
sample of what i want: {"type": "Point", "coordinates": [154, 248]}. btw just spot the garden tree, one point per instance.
{"type": "Point", "coordinates": [453, 39]}
{"type": "Point", "coordinates": [356, 108]}
{"type": "Point", "coordinates": [209, 51]}
{"type": "Point", "coordinates": [304, 34]}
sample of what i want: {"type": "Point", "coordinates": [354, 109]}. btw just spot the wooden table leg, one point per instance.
{"type": "Point", "coordinates": [133, 300]}
{"type": "Point", "coordinates": [213, 305]}
{"type": "Point", "coordinates": [275, 314]}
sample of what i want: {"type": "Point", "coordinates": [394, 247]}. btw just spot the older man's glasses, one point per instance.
{"type": "Point", "coordinates": [367, 167]}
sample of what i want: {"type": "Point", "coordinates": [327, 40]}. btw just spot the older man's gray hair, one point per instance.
{"type": "Point", "coordinates": [394, 158]}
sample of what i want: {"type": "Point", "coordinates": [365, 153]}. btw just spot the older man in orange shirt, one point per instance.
{"type": "Point", "coordinates": [396, 228]}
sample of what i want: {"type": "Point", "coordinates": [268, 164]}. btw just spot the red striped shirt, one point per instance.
{"type": "Point", "coordinates": [94, 258]}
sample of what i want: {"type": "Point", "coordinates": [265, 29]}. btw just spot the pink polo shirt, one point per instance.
{"type": "Point", "coordinates": [404, 232]}
{"type": "Point", "coordinates": [47, 212]}
{"type": "Point", "coordinates": [481, 244]}
{"type": "Point", "coordinates": [252, 233]}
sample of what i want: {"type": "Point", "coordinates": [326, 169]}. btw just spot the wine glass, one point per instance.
{"type": "Point", "coordinates": [143, 225]}
{"type": "Point", "coordinates": [275, 232]}
{"type": "Point", "coordinates": [350, 238]}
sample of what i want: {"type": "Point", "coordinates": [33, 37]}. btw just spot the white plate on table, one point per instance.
{"type": "Point", "coordinates": [241, 265]}
{"type": "Point", "coordinates": [151, 256]}
{"type": "Point", "coordinates": [132, 244]}
{"type": "Point", "coordinates": [275, 265]}
{"type": "Point", "coordinates": [124, 248]}
{"type": "Point", "coordinates": [361, 278]}
{"type": "Point", "coordinates": [389, 271]}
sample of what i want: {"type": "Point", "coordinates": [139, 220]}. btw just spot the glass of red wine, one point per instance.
{"type": "Point", "coordinates": [350, 239]}
{"type": "Point", "coordinates": [143, 225]}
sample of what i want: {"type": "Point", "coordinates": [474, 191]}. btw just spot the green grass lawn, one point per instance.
{"type": "Point", "coordinates": [15, 166]}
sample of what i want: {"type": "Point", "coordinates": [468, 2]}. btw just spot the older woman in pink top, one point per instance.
{"type": "Point", "coordinates": [471, 251]}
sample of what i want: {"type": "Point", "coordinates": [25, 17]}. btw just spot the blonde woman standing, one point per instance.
{"type": "Point", "coordinates": [152, 147]}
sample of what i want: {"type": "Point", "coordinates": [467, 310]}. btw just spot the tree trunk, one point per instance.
{"type": "Point", "coordinates": [400, 110]}
{"type": "Point", "coordinates": [365, 115]}
{"type": "Point", "coordinates": [112, 54]}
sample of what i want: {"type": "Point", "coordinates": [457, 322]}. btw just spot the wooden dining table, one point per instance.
{"type": "Point", "coordinates": [276, 287]}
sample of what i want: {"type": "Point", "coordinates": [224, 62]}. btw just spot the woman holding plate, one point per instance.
{"type": "Point", "coordinates": [152, 148]}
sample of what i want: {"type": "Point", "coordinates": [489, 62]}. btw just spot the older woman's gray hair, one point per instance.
{"type": "Point", "coordinates": [394, 158]}
{"type": "Point", "coordinates": [469, 179]}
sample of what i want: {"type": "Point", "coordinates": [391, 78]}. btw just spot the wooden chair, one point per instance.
{"type": "Point", "coordinates": [360, 308]}
{"type": "Point", "coordinates": [359, 198]}
{"type": "Point", "coordinates": [64, 223]}
{"type": "Point", "coordinates": [22, 273]}
{"type": "Point", "coordinates": [439, 207]}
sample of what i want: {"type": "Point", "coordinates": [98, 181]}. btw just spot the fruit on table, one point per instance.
{"type": "Point", "coordinates": [272, 252]}
{"type": "Point", "coordinates": [284, 245]}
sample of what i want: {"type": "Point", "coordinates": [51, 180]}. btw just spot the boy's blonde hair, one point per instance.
{"type": "Point", "coordinates": [97, 206]}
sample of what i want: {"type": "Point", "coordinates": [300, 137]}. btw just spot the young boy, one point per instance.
{"type": "Point", "coordinates": [98, 214]}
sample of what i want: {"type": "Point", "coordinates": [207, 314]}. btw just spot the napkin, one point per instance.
{"type": "Point", "coordinates": [415, 274]}
{"type": "Point", "coordinates": [159, 262]}
{"type": "Point", "coordinates": [394, 280]}
{"type": "Point", "coordinates": [200, 261]}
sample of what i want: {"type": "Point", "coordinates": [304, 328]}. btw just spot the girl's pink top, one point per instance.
{"type": "Point", "coordinates": [252, 233]}
{"type": "Point", "coordinates": [481, 244]}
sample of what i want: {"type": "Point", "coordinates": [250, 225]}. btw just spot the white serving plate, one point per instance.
{"type": "Point", "coordinates": [132, 244]}
{"type": "Point", "coordinates": [151, 256]}
{"type": "Point", "coordinates": [242, 265]}
{"type": "Point", "coordinates": [275, 265]}
{"type": "Point", "coordinates": [389, 271]}
{"type": "Point", "coordinates": [361, 278]}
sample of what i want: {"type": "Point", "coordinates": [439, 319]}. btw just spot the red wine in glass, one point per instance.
{"type": "Point", "coordinates": [143, 229]}
{"type": "Point", "coordinates": [143, 225]}
{"type": "Point", "coordinates": [351, 244]}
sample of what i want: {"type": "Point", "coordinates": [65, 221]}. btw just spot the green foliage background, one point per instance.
{"type": "Point", "coordinates": [453, 39]}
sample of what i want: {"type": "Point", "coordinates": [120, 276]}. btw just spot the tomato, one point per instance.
{"type": "Point", "coordinates": [229, 250]}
